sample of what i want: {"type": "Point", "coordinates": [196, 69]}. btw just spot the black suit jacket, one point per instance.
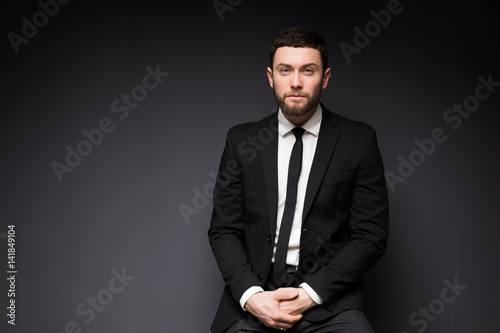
{"type": "Point", "coordinates": [345, 217]}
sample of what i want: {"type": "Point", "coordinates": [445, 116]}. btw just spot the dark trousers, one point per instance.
{"type": "Point", "coordinates": [350, 321]}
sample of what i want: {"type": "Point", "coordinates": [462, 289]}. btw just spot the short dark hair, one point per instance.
{"type": "Point", "coordinates": [300, 37]}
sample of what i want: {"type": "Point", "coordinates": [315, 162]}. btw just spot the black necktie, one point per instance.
{"type": "Point", "coordinates": [291, 199]}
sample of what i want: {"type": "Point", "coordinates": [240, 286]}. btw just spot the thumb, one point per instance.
{"type": "Point", "coordinates": [286, 293]}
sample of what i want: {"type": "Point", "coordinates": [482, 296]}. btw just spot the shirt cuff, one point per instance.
{"type": "Point", "coordinates": [310, 291]}
{"type": "Point", "coordinates": [249, 293]}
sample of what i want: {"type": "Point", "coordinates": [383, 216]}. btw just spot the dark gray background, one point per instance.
{"type": "Point", "coordinates": [120, 207]}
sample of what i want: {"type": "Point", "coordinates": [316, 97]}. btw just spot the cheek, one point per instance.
{"type": "Point", "coordinates": [280, 87]}
{"type": "Point", "coordinates": [314, 86]}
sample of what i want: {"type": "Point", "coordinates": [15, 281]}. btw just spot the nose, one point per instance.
{"type": "Point", "coordinates": [296, 83]}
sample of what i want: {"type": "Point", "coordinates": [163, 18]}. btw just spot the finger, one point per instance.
{"type": "Point", "coordinates": [280, 326]}
{"type": "Point", "coordinates": [286, 325]}
{"type": "Point", "coordinates": [288, 319]}
{"type": "Point", "coordinates": [285, 294]}
{"type": "Point", "coordinates": [288, 306]}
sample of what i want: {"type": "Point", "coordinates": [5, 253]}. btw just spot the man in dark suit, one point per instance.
{"type": "Point", "coordinates": [300, 206]}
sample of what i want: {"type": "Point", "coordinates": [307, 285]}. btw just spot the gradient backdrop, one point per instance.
{"type": "Point", "coordinates": [109, 194]}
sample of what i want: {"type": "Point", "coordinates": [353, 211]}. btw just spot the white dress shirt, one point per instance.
{"type": "Point", "coordinates": [286, 140]}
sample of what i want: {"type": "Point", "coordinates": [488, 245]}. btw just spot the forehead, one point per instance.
{"type": "Point", "coordinates": [297, 56]}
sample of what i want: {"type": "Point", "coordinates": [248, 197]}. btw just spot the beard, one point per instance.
{"type": "Point", "coordinates": [295, 110]}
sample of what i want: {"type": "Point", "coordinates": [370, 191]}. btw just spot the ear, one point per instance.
{"type": "Point", "coordinates": [326, 77]}
{"type": "Point", "coordinates": [270, 76]}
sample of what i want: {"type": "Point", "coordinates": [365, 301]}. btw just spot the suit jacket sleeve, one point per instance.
{"type": "Point", "coordinates": [226, 232]}
{"type": "Point", "coordinates": [368, 229]}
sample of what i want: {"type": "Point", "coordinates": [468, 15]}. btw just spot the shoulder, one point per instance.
{"type": "Point", "coordinates": [349, 127]}
{"type": "Point", "coordinates": [265, 126]}
{"type": "Point", "coordinates": [347, 123]}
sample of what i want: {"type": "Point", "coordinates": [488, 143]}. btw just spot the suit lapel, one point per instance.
{"type": "Point", "coordinates": [269, 160]}
{"type": "Point", "coordinates": [327, 140]}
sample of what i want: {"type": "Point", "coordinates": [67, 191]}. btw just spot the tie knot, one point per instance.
{"type": "Point", "coordinates": [298, 131]}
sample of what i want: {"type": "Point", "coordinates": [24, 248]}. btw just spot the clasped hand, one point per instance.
{"type": "Point", "coordinates": [281, 308]}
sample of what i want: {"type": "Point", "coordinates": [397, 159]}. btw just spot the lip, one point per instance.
{"type": "Point", "coordinates": [296, 96]}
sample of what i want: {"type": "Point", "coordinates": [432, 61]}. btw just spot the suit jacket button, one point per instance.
{"type": "Point", "coordinates": [269, 238]}
{"type": "Point", "coordinates": [259, 277]}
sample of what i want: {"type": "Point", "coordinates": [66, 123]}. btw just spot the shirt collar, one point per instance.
{"type": "Point", "coordinates": [312, 126]}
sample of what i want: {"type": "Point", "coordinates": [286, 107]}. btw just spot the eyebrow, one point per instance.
{"type": "Point", "coordinates": [311, 64]}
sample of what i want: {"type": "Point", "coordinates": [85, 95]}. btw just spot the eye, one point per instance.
{"type": "Point", "coordinates": [308, 71]}
{"type": "Point", "coordinates": [284, 71]}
